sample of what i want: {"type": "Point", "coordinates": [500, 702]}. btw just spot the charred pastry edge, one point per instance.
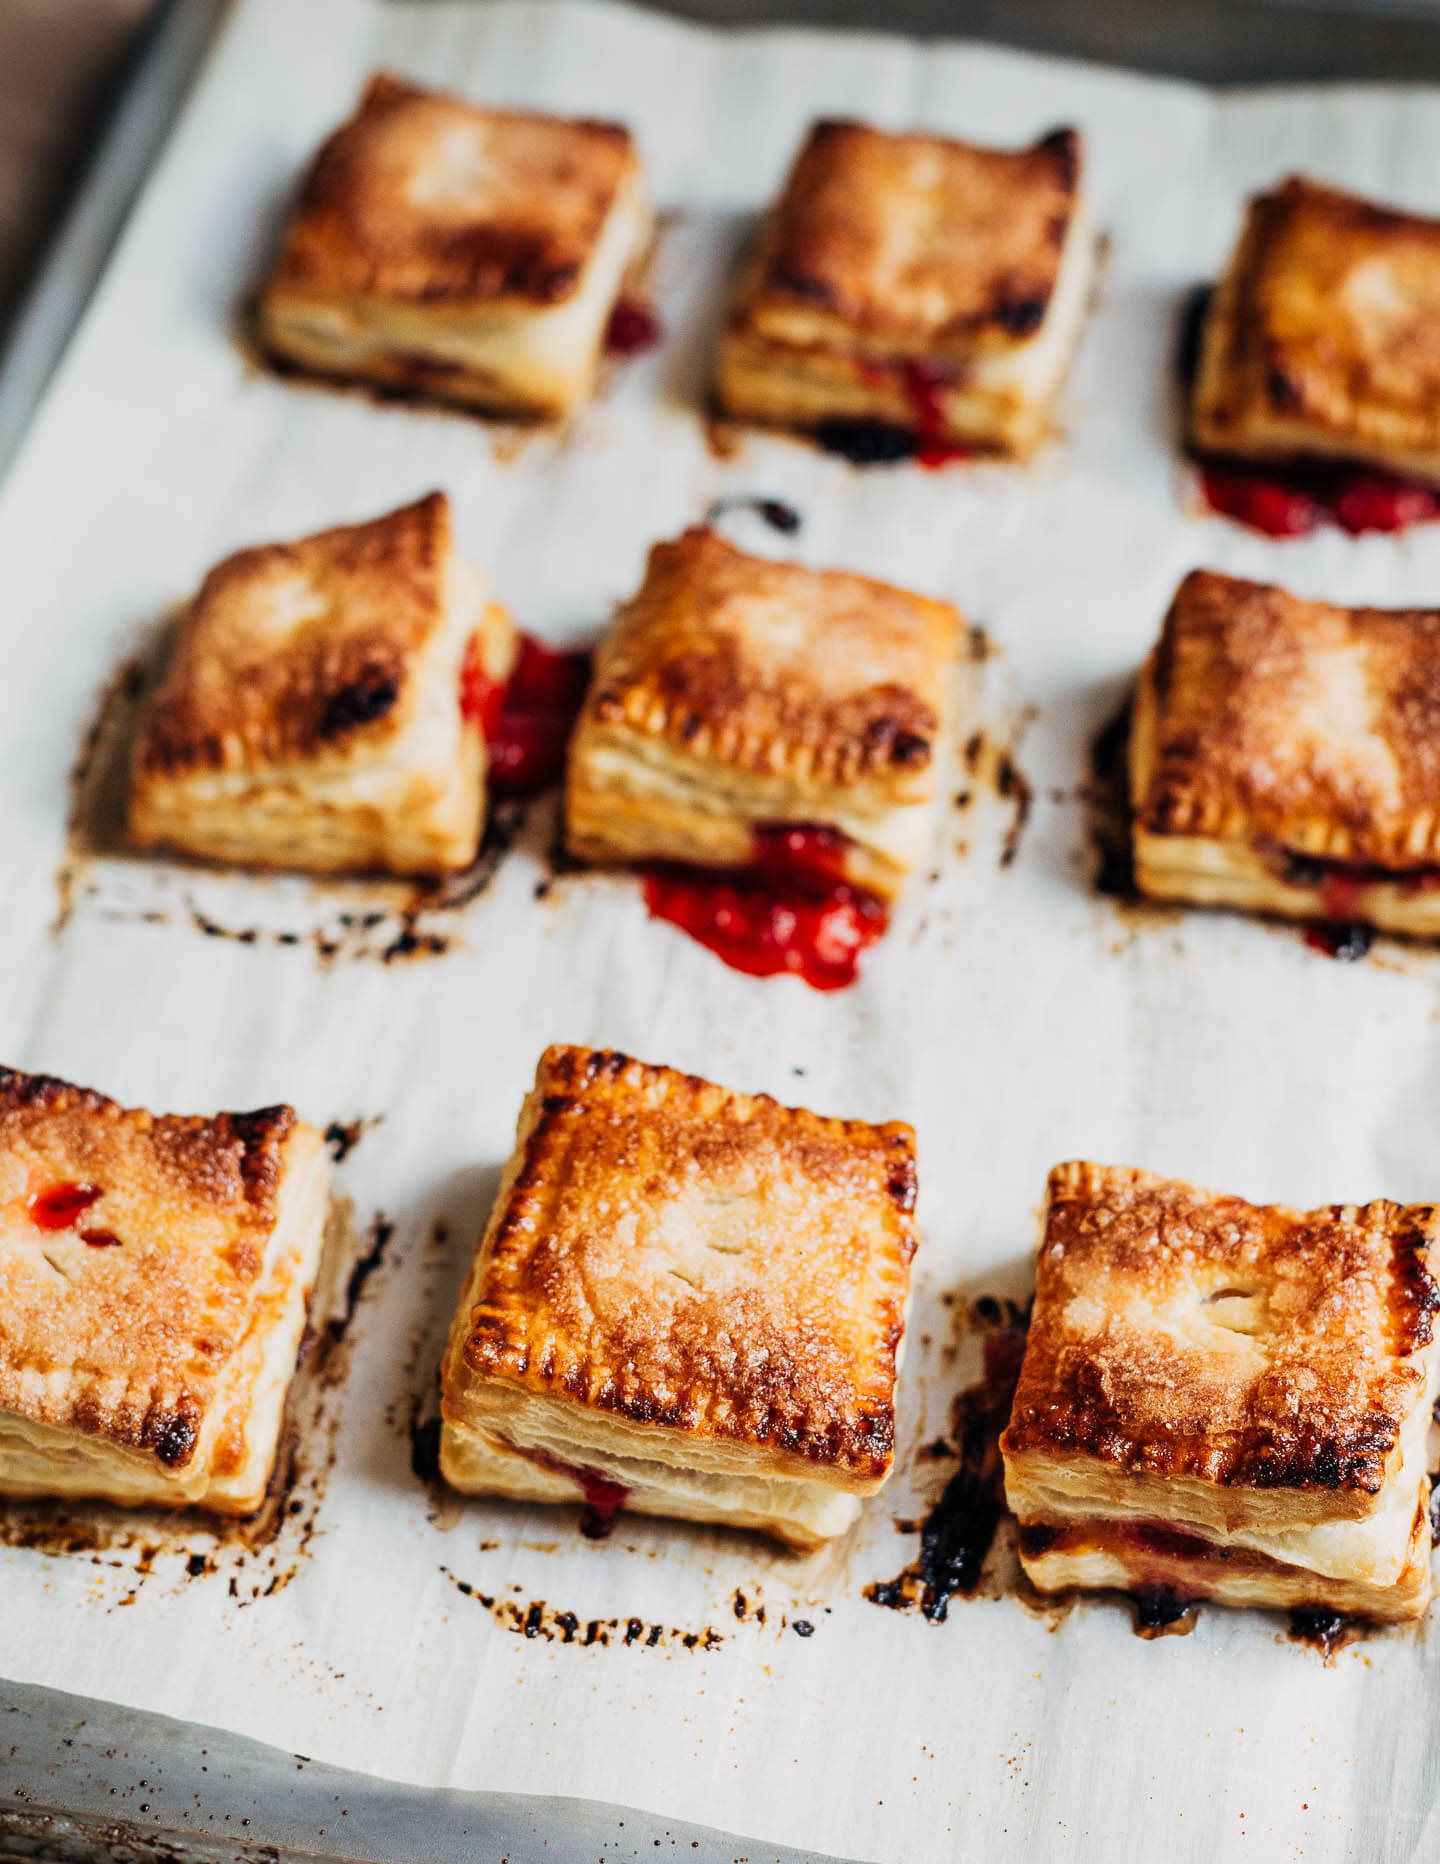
{"type": "Point", "coordinates": [172, 1456]}
{"type": "Point", "coordinates": [494, 1396]}
{"type": "Point", "coordinates": [1245, 406]}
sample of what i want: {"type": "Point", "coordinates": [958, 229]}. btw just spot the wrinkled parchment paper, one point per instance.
{"type": "Point", "coordinates": [1013, 1015]}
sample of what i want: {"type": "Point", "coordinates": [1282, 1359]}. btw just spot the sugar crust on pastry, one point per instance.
{"type": "Point", "coordinates": [469, 255]}
{"type": "Point", "coordinates": [1285, 757]}
{"type": "Point", "coordinates": [1226, 1400]}
{"type": "Point", "coordinates": [150, 1363]}
{"type": "Point", "coordinates": [693, 1292]}
{"type": "Point", "coordinates": [310, 716]}
{"type": "Point", "coordinates": [734, 691]}
{"type": "Point", "coordinates": [1323, 338]}
{"type": "Point", "coordinates": [887, 251]}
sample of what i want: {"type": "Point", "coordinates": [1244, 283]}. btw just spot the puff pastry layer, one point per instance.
{"type": "Point", "coordinates": [310, 713]}
{"type": "Point", "coordinates": [468, 255]}
{"type": "Point", "coordinates": [734, 692]}
{"type": "Point", "coordinates": [1285, 757]}
{"type": "Point", "coordinates": [1227, 1400]}
{"type": "Point", "coordinates": [1323, 338]}
{"type": "Point", "coordinates": [154, 1279]}
{"type": "Point", "coordinates": [696, 1294]}
{"type": "Point", "coordinates": [918, 281]}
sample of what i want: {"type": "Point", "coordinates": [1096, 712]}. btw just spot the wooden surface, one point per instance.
{"type": "Point", "coordinates": [59, 63]}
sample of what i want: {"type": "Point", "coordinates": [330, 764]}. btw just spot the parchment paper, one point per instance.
{"type": "Point", "coordinates": [1015, 1017]}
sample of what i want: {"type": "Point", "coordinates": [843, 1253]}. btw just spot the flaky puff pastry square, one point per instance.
{"type": "Point", "coordinates": [734, 693]}
{"type": "Point", "coordinates": [310, 714]}
{"type": "Point", "coordinates": [1285, 757]}
{"type": "Point", "coordinates": [1226, 1400]}
{"type": "Point", "coordinates": [918, 281]}
{"type": "Point", "coordinates": [688, 1298]}
{"type": "Point", "coordinates": [463, 254]}
{"type": "Point", "coordinates": [154, 1279]}
{"type": "Point", "coordinates": [1323, 338]}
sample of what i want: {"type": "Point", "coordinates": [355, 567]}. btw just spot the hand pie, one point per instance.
{"type": "Point", "coordinates": [154, 1278]}
{"type": "Point", "coordinates": [1323, 338]}
{"type": "Point", "coordinates": [735, 696]}
{"type": "Point", "coordinates": [917, 282]}
{"type": "Point", "coordinates": [1226, 1401]}
{"type": "Point", "coordinates": [468, 255]}
{"type": "Point", "coordinates": [310, 715]}
{"type": "Point", "coordinates": [1285, 757]}
{"type": "Point", "coordinates": [688, 1302]}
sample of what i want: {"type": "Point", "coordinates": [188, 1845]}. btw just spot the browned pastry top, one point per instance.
{"type": "Point", "coordinates": [683, 1255]}
{"type": "Point", "coordinates": [1177, 1332]}
{"type": "Point", "coordinates": [120, 1323]}
{"type": "Point", "coordinates": [423, 198]}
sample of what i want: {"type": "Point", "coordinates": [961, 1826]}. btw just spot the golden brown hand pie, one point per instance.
{"type": "Point", "coordinates": [154, 1279]}
{"type": "Point", "coordinates": [310, 715]}
{"type": "Point", "coordinates": [464, 254]}
{"type": "Point", "coordinates": [917, 281]}
{"type": "Point", "coordinates": [688, 1300]}
{"type": "Point", "coordinates": [734, 693]}
{"type": "Point", "coordinates": [1285, 757]}
{"type": "Point", "coordinates": [1323, 338]}
{"type": "Point", "coordinates": [1226, 1400]}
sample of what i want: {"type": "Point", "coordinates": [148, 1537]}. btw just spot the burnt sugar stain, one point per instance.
{"type": "Point", "coordinates": [1014, 787]}
{"type": "Point", "coordinates": [957, 1532]}
{"type": "Point", "coordinates": [775, 512]}
{"type": "Point", "coordinates": [341, 1140]}
{"type": "Point", "coordinates": [361, 1269]}
{"type": "Point", "coordinates": [535, 1619]}
{"type": "Point", "coordinates": [1107, 799]}
{"type": "Point", "coordinates": [1158, 1612]}
{"type": "Point", "coordinates": [1325, 1630]}
{"type": "Point", "coordinates": [425, 1449]}
{"type": "Point", "coordinates": [865, 442]}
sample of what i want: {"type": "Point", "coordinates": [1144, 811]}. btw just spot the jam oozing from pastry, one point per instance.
{"type": "Point", "coordinates": [632, 329]}
{"type": "Point", "coordinates": [58, 1205]}
{"type": "Point", "coordinates": [100, 1239]}
{"type": "Point", "coordinates": [1158, 1610]}
{"type": "Point", "coordinates": [1292, 500]}
{"type": "Point", "coordinates": [527, 721]}
{"type": "Point", "coordinates": [863, 441]}
{"type": "Point", "coordinates": [925, 386]}
{"type": "Point", "coordinates": [604, 1497]}
{"type": "Point", "coordinates": [1343, 942]}
{"type": "Point", "coordinates": [790, 911]}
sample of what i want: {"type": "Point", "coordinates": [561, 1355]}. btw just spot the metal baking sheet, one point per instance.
{"type": "Point", "coordinates": [1015, 1016]}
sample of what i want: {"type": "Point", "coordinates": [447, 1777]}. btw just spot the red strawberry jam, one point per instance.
{"type": "Point", "coordinates": [526, 721]}
{"type": "Point", "coordinates": [633, 328]}
{"type": "Point", "coordinates": [790, 911]}
{"type": "Point", "coordinates": [1293, 500]}
{"type": "Point", "coordinates": [926, 387]}
{"type": "Point", "coordinates": [58, 1205]}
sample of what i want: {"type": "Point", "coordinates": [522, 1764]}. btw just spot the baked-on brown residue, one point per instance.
{"type": "Point", "coordinates": [1123, 1362]}
{"type": "Point", "coordinates": [696, 657]}
{"type": "Point", "coordinates": [535, 1619]}
{"type": "Point", "coordinates": [423, 198]}
{"type": "Point", "coordinates": [1297, 723]}
{"type": "Point", "coordinates": [634, 1263]}
{"type": "Point", "coordinates": [959, 1528]}
{"type": "Point", "coordinates": [919, 241]}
